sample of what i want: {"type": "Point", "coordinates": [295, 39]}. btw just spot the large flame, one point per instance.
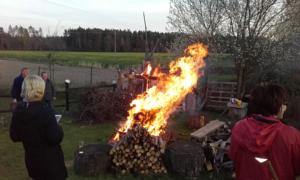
{"type": "Point", "coordinates": [152, 108]}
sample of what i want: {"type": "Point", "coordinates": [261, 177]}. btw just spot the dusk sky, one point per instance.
{"type": "Point", "coordinates": [54, 14]}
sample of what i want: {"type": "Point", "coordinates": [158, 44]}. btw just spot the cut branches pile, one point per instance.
{"type": "Point", "coordinates": [102, 105]}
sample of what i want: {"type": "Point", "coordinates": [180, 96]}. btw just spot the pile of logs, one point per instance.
{"type": "Point", "coordinates": [100, 105]}
{"type": "Point", "coordinates": [216, 147]}
{"type": "Point", "coordinates": [138, 152]}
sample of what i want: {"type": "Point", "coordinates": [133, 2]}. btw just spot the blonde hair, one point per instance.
{"type": "Point", "coordinates": [33, 88]}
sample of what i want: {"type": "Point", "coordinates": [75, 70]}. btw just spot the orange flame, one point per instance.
{"type": "Point", "coordinates": [152, 108]}
{"type": "Point", "coordinates": [148, 70]}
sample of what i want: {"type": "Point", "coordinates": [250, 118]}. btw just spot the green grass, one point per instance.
{"type": "Point", "coordinates": [12, 165]}
{"type": "Point", "coordinates": [221, 60]}
{"type": "Point", "coordinates": [4, 103]}
{"type": "Point", "coordinates": [105, 59]}
{"type": "Point", "coordinates": [221, 64]}
{"type": "Point", "coordinates": [221, 68]}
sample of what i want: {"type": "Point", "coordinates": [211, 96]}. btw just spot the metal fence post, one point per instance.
{"type": "Point", "coordinates": [67, 83]}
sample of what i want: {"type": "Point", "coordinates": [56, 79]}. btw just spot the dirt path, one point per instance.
{"type": "Point", "coordinates": [79, 76]}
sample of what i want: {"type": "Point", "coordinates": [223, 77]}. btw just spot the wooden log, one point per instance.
{"type": "Point", "coordinates": [144, 153]}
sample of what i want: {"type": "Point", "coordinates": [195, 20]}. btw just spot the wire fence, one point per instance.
{"type": "Point", "coordinates": [79, 76]}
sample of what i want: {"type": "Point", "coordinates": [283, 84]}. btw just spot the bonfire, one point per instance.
{"type": "Point", "coordinates": [137, 143]}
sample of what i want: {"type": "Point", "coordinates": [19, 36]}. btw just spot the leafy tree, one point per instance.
{"type": "Point", "coordinates": [249, 25]}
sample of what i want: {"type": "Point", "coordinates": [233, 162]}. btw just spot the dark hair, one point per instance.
{"type": "Point", "coordinates": [266, 100]}
{"type": "Point", "coordinates": [42, 73]}
{"type": "Point", "coordinates": [24, 68]}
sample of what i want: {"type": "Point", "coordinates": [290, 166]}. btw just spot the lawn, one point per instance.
{"type": "Point", "coordinates": [105, 59]}
{"type": "Point", "coordinates": [12, 164]}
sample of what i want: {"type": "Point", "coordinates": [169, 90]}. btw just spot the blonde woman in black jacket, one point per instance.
{"type": "Point", "coordinates": [34, 124]}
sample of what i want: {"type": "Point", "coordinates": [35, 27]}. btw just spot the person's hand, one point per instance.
{"type": "Point", "coordinates": [13, 104]}
{"type": "Point", "coordinates": [282, 111]}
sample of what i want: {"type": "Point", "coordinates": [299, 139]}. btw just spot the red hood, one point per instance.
{"type": "Point", "coordinates": [257, 133]}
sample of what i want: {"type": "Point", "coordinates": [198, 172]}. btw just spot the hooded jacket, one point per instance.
{"type": "Point", "coordinates": [268, 138]}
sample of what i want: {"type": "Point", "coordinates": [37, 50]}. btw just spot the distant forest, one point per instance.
{"type": "Point", "coordinates": [80, 39]}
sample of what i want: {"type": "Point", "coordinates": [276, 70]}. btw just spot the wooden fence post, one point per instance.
{"type": "Point", "coordinates": [39, 70]}
{"type": "Point", "coordinates": [91, 76]}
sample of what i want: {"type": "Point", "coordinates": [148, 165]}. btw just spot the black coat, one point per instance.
{"type": "Point", "coordinates": [16, 88]}
{"type": "Point", "coordinates": [34, 125]}
{"type": "Point", "coordinates": [49, 91]}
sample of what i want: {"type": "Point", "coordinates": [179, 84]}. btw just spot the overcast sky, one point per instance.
{"type": "Point", "coordinates": [64, 14]}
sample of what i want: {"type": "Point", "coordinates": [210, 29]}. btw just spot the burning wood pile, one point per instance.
{"type": "Point", "coordinates": [137, 152]}
{"type": "Point", "coordinates": [138, 147]}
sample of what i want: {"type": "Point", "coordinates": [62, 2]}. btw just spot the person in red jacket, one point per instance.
{"type": "Point", "coordinates": [262, 147]}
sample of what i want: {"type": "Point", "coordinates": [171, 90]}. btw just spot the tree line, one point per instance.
{"type": "Point", "coordinates": [81, 39]}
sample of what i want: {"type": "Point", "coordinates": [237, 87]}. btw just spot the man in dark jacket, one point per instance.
{"type": "Point", "coordinates": [17, 85]}
{"type": "Point", "coordinates": [50, 93]}
{"type": "Point", "coordinates": [34, 124]}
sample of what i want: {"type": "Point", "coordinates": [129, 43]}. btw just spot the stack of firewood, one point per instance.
{"type": "Point", "coordinates": [138, 152]}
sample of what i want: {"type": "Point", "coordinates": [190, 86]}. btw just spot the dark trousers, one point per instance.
{"type": "Point", "coordinates": [50, 104]}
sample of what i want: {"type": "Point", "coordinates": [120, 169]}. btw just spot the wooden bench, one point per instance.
{"type": "Point", "coordinates": [209, 128]}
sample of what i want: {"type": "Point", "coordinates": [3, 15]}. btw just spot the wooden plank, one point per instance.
{"type": "Point", "coordinates": [221, 92]}
{"type": "Point", "coordinates": [219, 97]}
{"type": "Point", "coordinates": [227, 83]}
{"type": "Point", "coordinates": [222, 87]}
{"type": "Point", "coordinates": [207, 129]}
{"type": "Point", "coordinates": [217, 101]}
{"type": "Point", "coordinates": [215, 107]}
{"type": "Point", "coordinates": [215, 90]}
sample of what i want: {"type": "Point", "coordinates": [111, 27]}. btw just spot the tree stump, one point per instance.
{"type": "Point", "coordinates": [185, 158]}
{"type": "Point", "coordinates": [92, 159]}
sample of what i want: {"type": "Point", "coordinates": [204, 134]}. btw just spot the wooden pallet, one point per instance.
{"type": "Point", "coordinates": [219, 94]}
